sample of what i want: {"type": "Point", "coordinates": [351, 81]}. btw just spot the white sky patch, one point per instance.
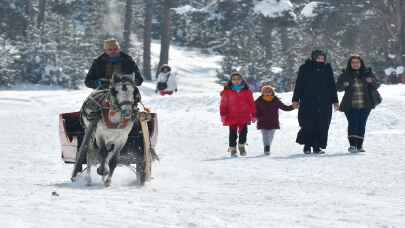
{"type": "Point", "coordinates": [273, 8]}
{"type": "Point", "coordinates": [309, 9]}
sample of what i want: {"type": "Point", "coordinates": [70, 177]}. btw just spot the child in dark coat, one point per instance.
{"type": "Point", "coordinates": [267, 106]}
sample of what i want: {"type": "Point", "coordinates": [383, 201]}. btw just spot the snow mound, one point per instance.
{"type": "Point", "coordinates": [309, 9]}
{"type": "Point", "coordinates": [398, 70]}
{"type": "Point", "coordinates": [273, 8]}
{"type": "Point", "coordinates": [185, 9]}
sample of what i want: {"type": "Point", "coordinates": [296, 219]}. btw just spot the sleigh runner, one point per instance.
{"type": "Point", "coordinates": [137, 151]}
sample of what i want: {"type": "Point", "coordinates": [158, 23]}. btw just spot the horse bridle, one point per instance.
{"type": "Point", "coordinates": [114, 103]}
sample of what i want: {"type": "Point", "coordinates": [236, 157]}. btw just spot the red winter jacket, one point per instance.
{"type": "Point", "coordinates": [237, 108]}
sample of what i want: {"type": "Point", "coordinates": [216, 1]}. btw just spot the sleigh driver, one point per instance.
{"type": "Point", "coordinates": [103, 74]}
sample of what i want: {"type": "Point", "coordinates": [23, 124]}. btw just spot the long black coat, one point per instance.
{"type": "Point", "coordinates": [97, 69]}
{"type": "Point", "coordinates": [348, 77]}
{"type": "Point", "coordinates": [315, 90]}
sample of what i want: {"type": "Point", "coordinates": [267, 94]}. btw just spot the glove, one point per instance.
{"type": "Point", "coordinates": [101, 84]}
{"type": "Point", "coordinates": [254, 119]}
{"type": "Point", "coordinates": [156, 91]}
{"type": "Point", "coordinates": [175, 90]}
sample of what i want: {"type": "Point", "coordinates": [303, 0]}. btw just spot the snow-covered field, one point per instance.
{"type": "Point", "coordinates": [195, 184]}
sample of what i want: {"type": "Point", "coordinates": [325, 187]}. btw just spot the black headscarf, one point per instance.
{"type": "Point", "coordinates": [316, 53]}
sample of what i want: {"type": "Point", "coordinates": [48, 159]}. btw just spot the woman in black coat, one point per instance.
{"type": "Point", "coordinates": [358, 82]}
{"type": "Point", "coordinates": [314, 94]}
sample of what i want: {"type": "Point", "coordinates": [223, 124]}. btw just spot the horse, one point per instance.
{"type": "Point", "coordinates": [108, 116]}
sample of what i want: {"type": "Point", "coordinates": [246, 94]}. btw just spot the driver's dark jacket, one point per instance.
{"type": "Point", "coordinates": [98, 69]}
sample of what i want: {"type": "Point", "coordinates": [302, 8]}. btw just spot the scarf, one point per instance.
{"type": "Point", "coordinates": [268, 98]}
{"type": "Point", "coordinates": [114, 60]}
{"type": "Point", "coordinates": [237, 88]}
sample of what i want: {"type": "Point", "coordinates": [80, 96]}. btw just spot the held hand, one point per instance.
{"type": "Point", "coordinates": [336, 107]}
{"type": "Point", "coordinates": [369, 80]}
{"type": "Point", "coordinates": [254, 119]}
{"type": "Point", "coordinates": [296, 105]}
{"type": "Point", "coordinates": [101, 84]}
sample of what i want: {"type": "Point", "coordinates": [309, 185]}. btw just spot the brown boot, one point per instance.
{"type": "Point", "coordinates": [242, 149]}
{"type": "Point", "coordinates": [232, 150]}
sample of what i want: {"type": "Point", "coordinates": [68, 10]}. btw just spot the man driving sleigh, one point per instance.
{"type": "Point", "coordinates": [112, 61]}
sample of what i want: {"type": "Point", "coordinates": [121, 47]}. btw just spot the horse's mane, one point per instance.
{"type": "Point", "coordinates": [94, 104]}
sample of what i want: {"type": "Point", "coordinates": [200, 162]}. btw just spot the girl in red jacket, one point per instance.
{"type": "Point", "coordinates": [267, 106]}
{"type": "Point", "coordinates": [237, 110]}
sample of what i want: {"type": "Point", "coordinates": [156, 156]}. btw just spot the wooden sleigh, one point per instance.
{"type": "Point", "coordinates": [138, 150]}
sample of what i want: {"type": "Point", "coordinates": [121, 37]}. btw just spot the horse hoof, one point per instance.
{"type": "Point", "coordinates": [101, 171]}
{"type": "Point", "coordinates": [88, 181]}
{"type": "Point", "coordinates": [107, 183]}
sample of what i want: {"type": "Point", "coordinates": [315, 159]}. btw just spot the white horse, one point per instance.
{"type": "Point", "coordinates": [108, 117]}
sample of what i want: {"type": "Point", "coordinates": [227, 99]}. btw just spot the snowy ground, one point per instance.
{"type": "Point", "coordinates": [195, 184]}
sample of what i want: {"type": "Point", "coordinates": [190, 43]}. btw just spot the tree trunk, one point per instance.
{"type": "Point", "coordinates": [147, 39]}
{"type": "Point", "coordinates": [289, 59]}
{"type": "Point", "coordinates": [29, 11]}
{"type": "Point", "coordinates": [165, 35]}
{"type": "Point", "coordinates": [127, 26]}
{"type": "Point", "coordinates": [41, 13]}
{"type": "Point", "coordinates": [402, 33]}
{"type": "Point", "coordinates": [267, 40]}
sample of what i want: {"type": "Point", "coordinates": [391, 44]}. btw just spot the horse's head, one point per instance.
{"type": "Point", "coordinates": [122, 91]}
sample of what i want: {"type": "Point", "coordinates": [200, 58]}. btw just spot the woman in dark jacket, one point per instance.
{"type": "Point", "coordinates": [357, 81]}
{"type": "Point", "coordinates": [314, 94]}
{"type": "Point", "coordinates": [267, 106]}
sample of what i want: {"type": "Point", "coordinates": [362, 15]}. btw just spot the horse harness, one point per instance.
{"type": "Point", "coordinates": [111, 113]}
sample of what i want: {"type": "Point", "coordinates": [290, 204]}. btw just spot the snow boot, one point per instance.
{"type": "Point", "coordinates": [267, 150]}
{"type": "Point", "coordinates": [307, 149]}
{"type": "Point", "coordinates": [352, 141]}
{"type": "Point", "coordinates": [353, 149]}
{"type": "Point", "coordinates": [242, 149]}
{"type": "Point", "coordinates": [232, 150]}
{"type": "Point", "coordinates": [318, 150]}
{"type": "Point", "coordinates": [360, 145]}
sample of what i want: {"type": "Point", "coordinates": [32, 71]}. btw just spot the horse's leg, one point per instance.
{"type": "Point", "coordinates": [101, 169]}
{"type": "Point", "coordinates": [89, 164]}
{"type": "Point", "coordinates": [112, 165]}
{"type": "Point", "coordinates": [106, 168]}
